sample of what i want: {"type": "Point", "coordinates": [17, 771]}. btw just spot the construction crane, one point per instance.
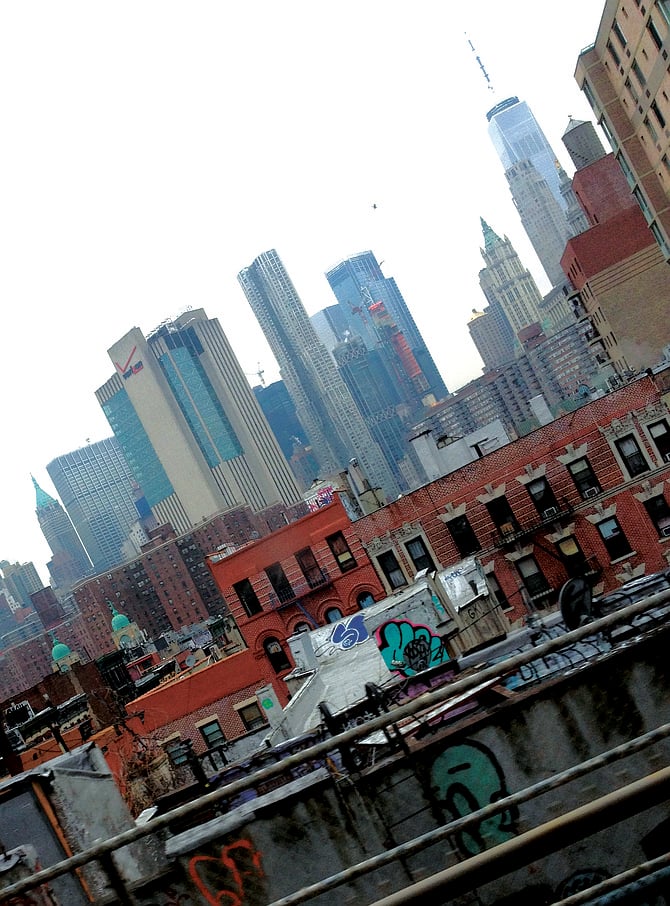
{"type": "Point", "coordinates": [259, 374]}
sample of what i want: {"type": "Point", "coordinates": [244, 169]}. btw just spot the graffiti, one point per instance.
{"type": "Point", "coordinates": [467, 777]}
{"type": "Point", "coordinates": [224, 880]}
{"type": "Point", "coordinates": [581, 880]}
{"type": "Point", "coordinates": [172, 897]}
{"type": "Point", "coordinates": [408, 648]}
{"type": "Point", "coordinates": [352, 632]}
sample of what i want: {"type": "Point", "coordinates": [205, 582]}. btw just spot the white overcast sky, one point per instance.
{"type": "Point", "coordinates": [150, 150]}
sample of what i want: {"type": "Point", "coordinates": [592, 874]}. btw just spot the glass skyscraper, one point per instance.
{"type": "Point", "coordinates": [190, 426]}
{"type": "Point", "coordinates": [335, 427]}
{"type": "Point", "coordinates": [358, 283]}
{"type": "Point", "coordinates": [95, 485]}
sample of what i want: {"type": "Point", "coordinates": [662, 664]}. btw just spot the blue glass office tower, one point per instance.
{"type": "Point", "coordinates": [96, 487]}
{"type": "Point", "coordinates": [517, 136]}
{"type": "Point", "coordinates": [190, 426]}
{"type": "Point", "coordinates": [358, 283]}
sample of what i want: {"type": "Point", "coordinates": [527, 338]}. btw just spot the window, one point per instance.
{"type": "Point", "coordinates": [613, 538]}
{"type": "Point", "coordinates": [302, 627]}
{"type": "Point", "coordinates": [660, 434]}
{"type": "Point", "coordinates": [584, 478]}
{"type": "Point", "coordinates": [333, 614]}
{"type": "Point", "coordinates": [212, 733]}
{"type": "Point", "coordinates": [632, 456]}
{"type": "Point", "coordinates": [418, 553]}
{"type": "Point", "coordinates": [310, 568]}
{"type": "Point", "coordinates": [276, 655]}
{"type": "Point", "coordinates": [280, 583]}
{"type": "Point", "coordinates": [639, 75]}
{"type": "Point", "coordinates": [655, 34]}
{"type": "Point", "coordinates": [501, 513]}
{"type": "Point", "coordinates": [463, 535]}
{"type": "Point", "coordinates": [543, 497]}
{"type": "Point", "coordinates": [497, 592]}
{"type": "Point", "coordinates": [388, 563]}
{"type": "Point", "coordinates": [250, 715]}
{"type": "Point", "coordinates": [659, 512]}
{"type": "Point", "coordinates": [532, 576]}
{"type": "Point", "coordinates": [657, 113]}
{"type": "Point", "coordinates": [340, 550]}
{"type": "Point", "coordinates": [365, 599]}
{"type": "Point", "coordinates": [248, 597]}
{"type": "Point", "coordinates": [572, 556]}
{"type": "Point", "coordinates": [616, 28]}
{"type": "Point", "coordinates": [613, 53]}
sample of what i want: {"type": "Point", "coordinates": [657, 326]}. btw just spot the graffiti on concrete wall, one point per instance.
{"type": "Point", "coordinates": [350, 632]}
{"type": "Point", "coordinates": [409, 648]}
{"type": "Point", "coordinates": [229, 879]}
{"type": "Point", "coordinates": [466, 777]}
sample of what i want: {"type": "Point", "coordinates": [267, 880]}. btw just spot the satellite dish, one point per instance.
{"type": "Point", "coordinates": [190, 660]}
{"type": "Point", "coordinates": [575, 601]}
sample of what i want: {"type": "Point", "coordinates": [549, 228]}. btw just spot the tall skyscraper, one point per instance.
{"type": "Point", "coordinates": [69, 562]}
{"type": "Point", "coordinates": [358, 283]}
{"type": "Point", "coordinates": [190, 426]}
{"type": "Point", "coordinates": [513, 300]}
{"type": "Point", "coordinates": [535, 180]}
{"type": "Point", "coordinates": [96, 487]}
{"type": "Point", "coordinates": [336, 429]}
{"type": "Point", "coordinates": [21, 580]}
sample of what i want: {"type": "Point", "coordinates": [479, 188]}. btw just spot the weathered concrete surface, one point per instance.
{"type": "Point", "coordinates": [325, 823]}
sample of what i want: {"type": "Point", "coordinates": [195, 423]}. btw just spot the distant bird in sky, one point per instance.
{"type": "Point", "coordinates": [374, 207]}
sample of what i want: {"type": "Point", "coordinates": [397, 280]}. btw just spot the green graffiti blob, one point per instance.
{"type": "Point", "coordinates": [467, 777]}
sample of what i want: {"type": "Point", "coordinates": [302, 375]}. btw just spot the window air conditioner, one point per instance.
{"type": "Point", "coordinates": [590, 492]}
{"type": "Point", "coordinates": [550, 512]}
{"type": "Point", "coordinates": [665, 531]}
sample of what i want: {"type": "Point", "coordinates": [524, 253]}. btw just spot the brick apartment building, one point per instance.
{"type": "Point", "coordinates": [586, 493]}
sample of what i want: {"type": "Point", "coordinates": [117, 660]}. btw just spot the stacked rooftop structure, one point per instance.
{"type": "Point", "coordinates": [69, 563]}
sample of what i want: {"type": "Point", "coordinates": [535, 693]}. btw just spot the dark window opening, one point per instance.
{"type": "Point", "coordinates": [365, 599]}
{"type": "Point", "coordinates": [419, 555]}
{"type": "Point", "coordinates": [572, 556]}
{"type": "Point", "coordinates": [543, 497]}
{"type": "Point", "coordinates": [282, 586]}
{"type": "Point", "coordinates": [276, 655]}
{"type": "Point", "coordinates": [333, 614]}
{"type": "Point", "coordinates": [248, 597]}
{"type": "Point", "coordinates": [310, 568]}
{"type": "Point", "coordinates": [340, 550]}
{"type": "Point", "coordinates": [212, 734]}
{"type": "Point", "coordinates": [613, 538]}
{"type": "Point", "coordinates": [584, 478]}
{"type": "Point", "coordinates": [660, 434]}
{"type": "Point", "coordinates": [632, 456]}
{"type": "Point", "coordinates": [502, 516]}
{"type": "Point", "coordinates": [463, 536]}
{"type": "Point", "coordinates": [497, 592]}
{"type": "Point", "coordinates": [388, 563]}
{"type": "Point", "coordinates": [532, 576]}
{"type": "Point", "coordinates": [659, 512]}
{"type": "Point", "coordinates": [251, 717]}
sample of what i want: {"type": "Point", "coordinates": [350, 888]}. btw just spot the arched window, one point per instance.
{"type": "Point", "coordinates": [302, 627]}
{"type": "Point", "coordinates": [276, 655]}
{"type": "Point", "coordinates": [365, 599]}
{"type": "Point", "coordinates": [333, 614]}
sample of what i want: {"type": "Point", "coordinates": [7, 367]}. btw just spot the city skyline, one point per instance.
{"type": "Point", "coordinates": [147, 204]}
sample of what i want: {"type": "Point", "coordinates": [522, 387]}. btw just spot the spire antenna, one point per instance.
{"type": "Point", "coordinates": [481, 65]}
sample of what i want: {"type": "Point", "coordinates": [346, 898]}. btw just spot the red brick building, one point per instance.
{"type": "Point", "coordinates": [304, 575]}
{"type": "Point", "coordinates": [587, 493]}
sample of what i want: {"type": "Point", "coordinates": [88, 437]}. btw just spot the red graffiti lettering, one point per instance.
{"type": "Point", "coordinates": [240, 861]}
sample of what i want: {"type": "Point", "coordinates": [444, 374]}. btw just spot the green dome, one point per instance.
{"type": "Point", "coordinates": [59, 651]}
{"type": "Point", "coordinates": [119, 620]}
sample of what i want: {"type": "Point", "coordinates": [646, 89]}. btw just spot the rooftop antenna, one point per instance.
{"type": "Point", "coordinates": [481, 65]}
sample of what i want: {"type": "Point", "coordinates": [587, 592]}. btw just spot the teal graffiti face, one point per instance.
{"type": "Point", "coordinates": [409, 648]}
{"type": "Point", "coordinates": [467, 777]}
